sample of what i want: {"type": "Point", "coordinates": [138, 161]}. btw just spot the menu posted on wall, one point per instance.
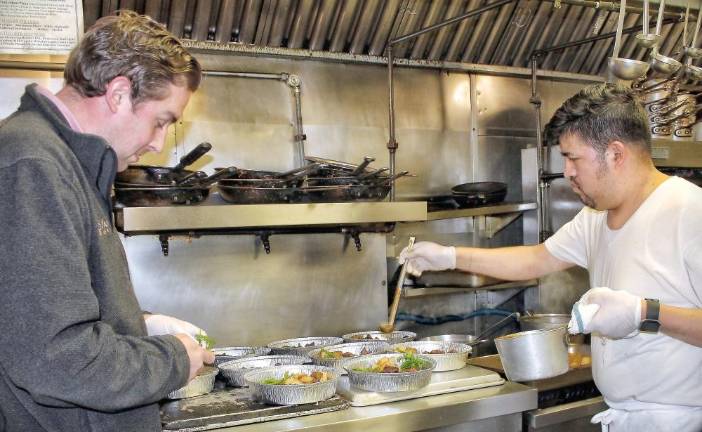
{"type": "Point", "coordinates": [40, 26]}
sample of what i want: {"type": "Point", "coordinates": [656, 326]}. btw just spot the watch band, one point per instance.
{"type": "Point", "coordinates": [651, 324]}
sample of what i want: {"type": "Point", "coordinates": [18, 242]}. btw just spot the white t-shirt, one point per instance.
{"type": "Point", "coordinates": [656, 254]}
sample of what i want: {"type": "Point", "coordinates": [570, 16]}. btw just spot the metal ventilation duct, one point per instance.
{"type": "Point", "coordinates": [504, 36]}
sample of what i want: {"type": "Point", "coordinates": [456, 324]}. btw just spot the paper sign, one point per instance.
{"type": "Point", "coordinates": [40, 26]}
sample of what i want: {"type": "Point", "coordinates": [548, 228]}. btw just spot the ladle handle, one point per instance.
{"type": "Point", "coordinates": [620, 27]}
{"type": "Point", "coordinates": [659, 21]}
{"type": "Point", "coordinates": [398, 287]}
{"type": "Point", "coordinates": [646, 19]}
{"type": "Point", "coordinates": [697, 26]}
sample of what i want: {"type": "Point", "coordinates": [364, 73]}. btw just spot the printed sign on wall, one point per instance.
{"type": "Point", "coordinates": [40, 26]}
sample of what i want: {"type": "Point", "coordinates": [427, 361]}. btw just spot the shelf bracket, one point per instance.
{"type": "Point", "coordinates": [488, 226]}
{"type": "Point", "coordinates": [163, 239]}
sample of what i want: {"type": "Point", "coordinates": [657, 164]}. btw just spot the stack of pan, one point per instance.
{"type": "Point", "coordinates": [322, 180]}
{"type": "Point", "coordinates": [146, 186]}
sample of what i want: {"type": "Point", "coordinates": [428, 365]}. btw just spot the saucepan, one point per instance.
{"type": "Point", "coordinates": [534, 354]}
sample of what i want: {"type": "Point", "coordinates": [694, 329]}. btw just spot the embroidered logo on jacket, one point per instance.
{"type": "Point", "coordinates": [104, 227]}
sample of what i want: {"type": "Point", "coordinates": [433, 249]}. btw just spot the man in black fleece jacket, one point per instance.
{"type": "Point", "coordinates": [76, 354]}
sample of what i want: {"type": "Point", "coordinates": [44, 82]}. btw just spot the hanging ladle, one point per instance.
{"type": "Point", "coordinates": [625, 69]}
{"type": "Point", "coordinates": [646, 39]}
{"type": "Point", "coordinates": [690, 51]}
{"type": "Point", "coordinates": [666, 65]}
{"type": "Point", "coordinates": [389, 326]}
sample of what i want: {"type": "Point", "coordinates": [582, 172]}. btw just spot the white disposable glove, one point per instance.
{"type": "Point", "coordinates": [618, 315]}
{"type": "Point", "coordinates": [166, 325]}
{"type": "Point", "coordinates": [428, 256]}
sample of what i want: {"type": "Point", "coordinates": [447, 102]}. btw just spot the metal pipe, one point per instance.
{"type": "Point", "coordinates": [278, 77]}
{"type": "Point", "coordinates": [300, 137]}
{"type": "Point", "coordinates": [536, 101]}
{"type": "Point", "coordinates": [572, 44]}
{"type": "Point", "coordinates": [392, 144]}
{"type": "Point", "coordinates": [449, 22]}
{"type": "Point", "coordinates": [611, 6]}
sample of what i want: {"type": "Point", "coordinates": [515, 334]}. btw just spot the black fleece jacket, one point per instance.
{"type": "Point", "coordinates": [74, 355]}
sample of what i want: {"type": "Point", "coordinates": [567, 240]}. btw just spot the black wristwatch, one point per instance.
{"type": "Point", "coordinates": [650, 324]}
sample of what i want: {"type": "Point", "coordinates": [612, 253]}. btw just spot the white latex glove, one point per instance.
{"type": "Point", "coordinates": [619, 313]}
{"type": "Point", "coordinates": [166, 325]}
{"type": "Point", "coordinates": [428, 256]}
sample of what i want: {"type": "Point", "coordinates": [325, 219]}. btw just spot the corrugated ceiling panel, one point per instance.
{"type": "Point", "coordinates": [504, 36]}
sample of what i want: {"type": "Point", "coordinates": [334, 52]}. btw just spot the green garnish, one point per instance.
{"type": "Point", "coordinates": [205, 341]}
{"type": "Point", "coordinates": [410, 361]}
{"type": "Point", "coordinates": [276, 381]}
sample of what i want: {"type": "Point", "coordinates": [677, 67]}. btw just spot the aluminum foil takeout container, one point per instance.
{"type": "Point", "coordinates": [234, 370]}
{"type": "Point", "coordinates": [355, 348]}
{"type": "Point", "coordinates": [202, 384]}
{"type": "Point", "coordinates": [454, 357]}
{"type": "Point", "coordinates": [302, 346]}
{"type": "Point", "coordinates": [291, 394]}
{"type": "Point", "coordinates": [387, 382]}
{"type": "Point", "coordinates": [392, 338]}
{"type": "Point", "coordinates": [225, 354]}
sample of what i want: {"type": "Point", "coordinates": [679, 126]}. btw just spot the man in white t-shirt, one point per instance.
{"type": "Point", "coordinates": [640, 237]}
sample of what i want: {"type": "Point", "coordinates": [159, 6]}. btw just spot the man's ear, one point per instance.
{"type": "Point", "coordinates": [616, 153]}
{"type": "Point", "coordinates": [118, 93]}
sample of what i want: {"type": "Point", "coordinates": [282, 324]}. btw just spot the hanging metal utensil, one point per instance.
{"type": "Point", "coordinates": [625, 69]}
{"type": "Point", "coordinates": [646, 39]}
{"type": "Point", "coordinates": [667, 65]}
{"type": "Point", "coordinates": [389, 326]}
{"type": "Point", "coordinates": [690, 51]}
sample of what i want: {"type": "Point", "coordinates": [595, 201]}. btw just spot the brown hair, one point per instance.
{"type": "Point", "coordinates": [600, 114]}
{"type": "Point", "coordinates": [133, 46]}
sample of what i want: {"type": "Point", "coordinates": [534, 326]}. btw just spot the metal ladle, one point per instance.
{"type": "Point", "coordinates": [646, 39]}
{"type": "Point", "coordinates": [625, 69]}
{"type": "Point", "coordinates": [389, 326]}
{"type": "Point", "coordinates": [690, 51]}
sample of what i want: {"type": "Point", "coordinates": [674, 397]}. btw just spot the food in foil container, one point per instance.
{"type": "Point", "coordinates": [448, 355]}
{"type": "Point", "coordinates": [390, 372]}
{"type": "Point", "coordinates": [302, 346]}
{"type": "Point", "coordinates": [225, 354]}
{"type": "Point", "coordinates": [234, 370]}
{"type": "Point", "coordinates": [202, 384]}
{"type": "Point", "coordinates": [392, 337]}
{"type": "Point", "coordinates": [293, 384]}
{"type": "Point", "coordinates": [335, 355]}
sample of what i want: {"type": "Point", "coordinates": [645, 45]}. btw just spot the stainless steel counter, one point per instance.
{"type": "Point", "coordinates": [490, 408]}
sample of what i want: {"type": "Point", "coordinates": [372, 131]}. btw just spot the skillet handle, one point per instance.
{"type": "Point", "coordinates": [194, 155]}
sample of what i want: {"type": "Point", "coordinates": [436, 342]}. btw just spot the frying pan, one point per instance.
{"type": "Point", "coordinates": [481, 193]}
{"type": "Point", "coordinates": [150, 175]}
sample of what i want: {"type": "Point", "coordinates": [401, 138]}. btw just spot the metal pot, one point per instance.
{"type": "Point", "coordinates": [543, 321]}
{"type": "Point", "coordinates": [534, 355]}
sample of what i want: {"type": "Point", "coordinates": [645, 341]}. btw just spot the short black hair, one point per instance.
{"type": "Point", "coordinates": [600, 114]}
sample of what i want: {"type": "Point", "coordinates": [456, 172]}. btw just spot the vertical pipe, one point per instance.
{"type": "Point", "coordinates": [392, 144]}
{"type": "Point", "coordinates": [536, 101]}
{"type": "Point", "coordinates": [299, 134]}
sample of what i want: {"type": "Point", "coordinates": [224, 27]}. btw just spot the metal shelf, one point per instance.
{"type": "Point", "coordinates": [481, 211]}
{"type": "Point", "coordinates": [212, 217]}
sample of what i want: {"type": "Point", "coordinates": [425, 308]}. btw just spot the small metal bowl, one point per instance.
{"type": "Point", "coordinates": [302, 346]}
{"type": "Point", "coordinates": [291, 394]}
{"type": "Point", "coordinates": [234, 370]}
{"type": "Point", "coordinates": [202, 384]}
{"type": "Point", "coordinates": [226, 354]}
{"type": "Point", "coordinates": [371, 335]}
{"type": "Point", "coordinates": [627, 69]}
{"type": "Point", "coordinates": [444, 362]}
{"type": "Point", "coordinates": [387, 382]}
{"type": "Point", "coordinates": [355, 348]}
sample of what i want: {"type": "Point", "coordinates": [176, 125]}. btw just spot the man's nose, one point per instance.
{"type": "Point", "coordinates": [569, 169]}
{"type": "Point", "coordinates": [159, 141]}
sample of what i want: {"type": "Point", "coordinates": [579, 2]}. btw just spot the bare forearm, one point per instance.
{"type": "Point", "coordinates": [509, 263]}
{"type": "Point", "coordinates": [684, 324]}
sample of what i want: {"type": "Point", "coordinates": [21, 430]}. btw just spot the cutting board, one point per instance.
{"type": "Point", "coordinates": [467, 378]}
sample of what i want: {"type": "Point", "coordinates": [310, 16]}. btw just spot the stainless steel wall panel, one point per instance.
{"type": "Point", "coordinates": [323, 21]}
{"type": "Point", "coordinates": [347, 14]}
{"type": "Point", "coordinates": [385, 24]}
{"type": "Point", "coordinates": [242, 296]}
{"type": "Point", "coordinates": [501, 106]}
